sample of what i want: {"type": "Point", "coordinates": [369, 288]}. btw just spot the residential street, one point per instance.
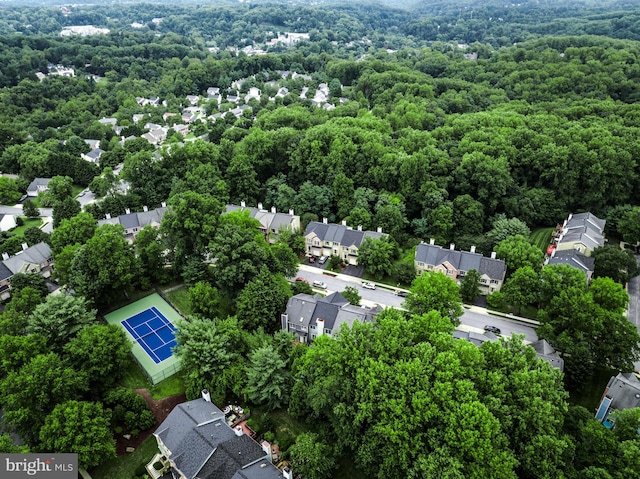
{"type": "Point", "coordinates": [471, 320]}
{"type": "Point", "coordinates": [633, 313]}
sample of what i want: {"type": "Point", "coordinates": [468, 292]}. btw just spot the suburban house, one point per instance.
{"type": "Point", "coordinates": [37, 186]}
{"type": "Point", "coordinates": [456, 264]}
{"type": "Point", "coordinates": [308, 317]}
{"type": "Point", "coordinates": [195, 441]}
{"type": "Point", "coordinates": [574, 258]}
{"type": "Point", "coordinates": [134, 222]}
{"type": "Point", "coordinates": [34, 259]}
{"type": "Point", "coordinates": [326, 239]}
{"type": "Point", "coordinates": [93, 156]}
{"type": "Point", "coordinates": [7, 222]}
{"type": "Point", "coordinates": [622, 392]}
{"type": "Point", "coordinates": [582, 232]}
{"type": "Point", "coordinates": [271, 222]}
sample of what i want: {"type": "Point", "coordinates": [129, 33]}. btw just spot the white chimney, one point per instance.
{"type": "Point", "coordinates": [24, 246]}
{"type": "Point", "coordinates": [432, 241]}
{"type": "Point", "coordinates": [319, 327]}
{"type": "Point", "coordinates": [238, 431]}
{"type": "Point", "coordinates": [108, 216]}
{"type": "Point", "coordinates": [291, 212]}
{"type": "Point", "coordinates": [127, 211]}
{"type": "Point", "coordinates": [145, 208]}
{"type": "Point", "coordinates": [287, 473]}
{"type": "Point", "coordinates": [163, 204]}
{"type": "Point", "coordinates": [5, 255]}
{"type": "Point", "coordinates": [493, 255]}
{"type": "Point", "coordinates": [259, 206]}
{"type": "Point", "coordinates": [452, 246]}
{"type": "Point", "coordinates": [570, 216]}
{"type": "Point", "coordinates": [473, 249]}
{"type": "Point", "coordinates": [344, 222]}
{"type": "Point", "coordinates": [273, 210]}
{"type": "Point", "coordinates": [243, 204]}
{"type": "Point", "coordinates": [379, 229]}
{"type": "Point", "coordinates": [359, 227]}
{"type": "Point", "coordinates": [325, 221]}
{"type": "Point", "coordinates": [205, 395]}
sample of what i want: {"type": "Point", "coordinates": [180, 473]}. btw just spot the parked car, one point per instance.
{"type": "Point", "coordinates": [402, 294]}
{"type": "Point", "coordinates": [319, 285]}
{"type": "Point", "coordinates": [323, 259]}
{"type": "Point", "coordinates": [299, 278]}
{"type": "Point", "coordinates": [492, 329]}
{"type": "Point", "coordinates": [369, 285]}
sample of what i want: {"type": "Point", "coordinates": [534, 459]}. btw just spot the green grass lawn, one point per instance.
{"type": "Point", "coordinates": [590, 394]}
{"type": "Point", "coordinates": [541, 238]}
{"type": "Point", "coordinates": [134, 378]}
{"type": "Point", "coordinates": [347, 468]}
{"type": "Point", "coordinates": [180, 299]}
{"type": "Point", "coordinates": [28, 223]}
{"type": "Point", "coordinates": [124, 467]}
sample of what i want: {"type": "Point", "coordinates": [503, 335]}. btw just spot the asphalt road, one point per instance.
{"type": "Point", "coordinates": [633, 314]}
{"type": "Point", "coordinates": [470, 319]}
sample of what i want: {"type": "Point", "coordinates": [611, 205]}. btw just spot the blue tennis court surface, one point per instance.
{"type": "Point", "coordinates": [153, 332]}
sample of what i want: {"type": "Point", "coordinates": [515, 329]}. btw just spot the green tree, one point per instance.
{"type": "Point", "coordinates": [609, 295]}
{"type": "Point", "coordinates": [470, 285]}
{"type": "Point", "coordinates": [311, 458]}
{"type": "Point", "coordinates": [204, 299]}
{"type": "Point", "coordinates": [75, 230]}
{"type": "Point", "coordinates": [31, 393]}
{"type": "Point", "coordinates": [376, 256]}
{"type": "Point", "coordinates": [64, 262]}
{"type": "Point", "coordinates": [149, 250]}
{"type": "Point", "coordinates": [517, 252]}
{"type": "Point", "coordinates": [64, 209]}
{"type": "Point", "coordinates": [612, 262]}
{"type": "Point", "coordinates": [522, 288]}
{"type": "Point", "coordinates": [7, 446]}
{"type": "Point", "coordinates": [351, 294]}
{"type": "Point", "coordinates": [59, 319]}
{"type": "Point", "coordinates": [102, 352]}
{"type": "Point", "coordinates": [82, 428]}
{"type": "Point", "coordinates": [434, 291]}
{"type": "Point", "coordinates": [9, 192]}
{"type": "Point", "coordinates": [35, 281]}
{"type": "Point", "coordinates": [629, 226]}
{"type": "Point", "coordinates": [503, 228]}
{"type": "Point", "coordinates": [16, 351]}
{"type": "Point", "coordinates": [262, 301]}
{"type": "Point", "coordinates": [105, 266]}
{"type": "Point", "coordinates": [30, 209]}
{"type": "Point", "coordinates": [267, 378]}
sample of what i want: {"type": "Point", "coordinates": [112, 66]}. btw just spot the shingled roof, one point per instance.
{"type": "Point", "coordinates": [461, 260]}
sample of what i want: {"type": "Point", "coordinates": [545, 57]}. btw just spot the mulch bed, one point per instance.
{"type": "Point", "coordinates": [160, 409]}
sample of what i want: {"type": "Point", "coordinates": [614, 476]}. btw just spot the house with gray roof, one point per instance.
{"type": "Point", "coordinates": [93, 156]}
{"type": "Point", "coordinates": [574, 258]}
{"type": "Point", "coordinates": [37, 186]}
{"type": "Point", "coordinates": [134, 222]}
{"type": "Point", "coordinates": [583, 232]}
{"type": "Point", "coordinates": [622, 392]}
{"type": "Point", "coordinates": [308, 317]}
{"type": "Point", "coordinates": [326, 239]}
{"type": "Point", "coordinates": [271, 221]}
{"type": "Point", "coordinates": [546, 352]}
{"type": "Point", "coordinates": [195, 441]}
{"type": "Point", "coordinates": [456, 264]}
{"type": "Point", "coordinates": [35, 259]}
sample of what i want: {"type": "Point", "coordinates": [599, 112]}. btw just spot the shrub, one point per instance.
{"type": "Point", "coordinates": [496, 300]}
{"type": "Point", "coordinates": [19, 221]}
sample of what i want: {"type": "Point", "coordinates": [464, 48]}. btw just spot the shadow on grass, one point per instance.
{"type": "Point", "coordinates": [124, 467]}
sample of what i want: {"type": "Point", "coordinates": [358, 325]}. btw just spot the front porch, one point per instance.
{"type": "Point", "coordinates": [163, 472]}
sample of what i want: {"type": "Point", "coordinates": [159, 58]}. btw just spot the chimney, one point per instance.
{"type": "Point", "coordinates": [452, 246]}
{"type": "Point", "coordinates": [291, 212]}
{"type": "Point", "coordinates": [493, 255]}
{"type": "Point", "coordinates": [108, 216]}
{"type": "Point", "coordinates": [5, 256]}
{"type": "Point", "coordinates": [164, 204]}
{"type": "Point", "coordinates": [359, 227]}
{"type": "Point", "coordinates": [273, 210]}
{"type": "Point", "coordinates": [24, 246]}
{"type": "Point", "coordinates": [570, 216]}
{"type": "Point", "coordinates": [319, 327]}
{"type": "Point", "coordinates": [344, 222]}
{"type": "Point", "coordinates": [127, 211]}
{"type": "Point", "coordinates": [379, 229]}
{"type": "Point", "coordinates": [325, 221]}
{"type": "Point", "coordinates": [243, 204]}
{"type": "Point", "coordinates": [432, 241]}
{"type": "Point", "coordinates": [145, 208]}
{"type": "Point", "coordinates": [473, 249]}
{"type": "Point", "coordinates": [205, 395]}
{"type": "Point", "coordinates": [238, 431]}
{"type": "Point", "coordinates": [259, 206]}
{"type": "Point", "coordinates": [287, 473]}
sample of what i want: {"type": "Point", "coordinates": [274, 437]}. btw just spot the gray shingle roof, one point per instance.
{"type": "Point", "coordinates": [461, 260]}
{"type": "Point", "coordinates": [38, 182]}
{"type": "Point", "coordinates": [584, 228]}
{"type": "Point", "coordinates": [37, 254]}
{"type": "Point", "coordinates": [262, 469]}
{"type": "Point", "coordinates": [545, 351]}
{"type": "Point", "coordinates": [573, 258]}
{"type": "Point", "coordinates": [5, 273]}
{"type": "Point", "coordinates": [339, 233]}
{"type": "Point", "coordinates": [624, 391]}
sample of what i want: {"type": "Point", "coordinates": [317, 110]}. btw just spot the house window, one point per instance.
{"type": "Point", "coordinates": [483, 281]}
{"type": "Point", "coordinates": [494, 281]}
{"type": "Point", "coordinates": [449, 271]}
{"type": "Point", "coordinates": [420, 264]}
{"type": "Point", "coordinates": [461, 273]}
{"type": "Point", "coordinates": [429, 266]}
{"type": "Point", "coordinates": [327, 331]}
{"type": "Point", "coordinates": [335, 251]}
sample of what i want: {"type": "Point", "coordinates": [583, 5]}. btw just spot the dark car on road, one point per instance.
{"type": "Point", "coordinates": [402, 294]}
{"type": "Point", "coordinates": [492, 329]}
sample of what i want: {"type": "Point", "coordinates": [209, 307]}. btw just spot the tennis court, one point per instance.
{"type": "Point", "coordinates": [149, 322]}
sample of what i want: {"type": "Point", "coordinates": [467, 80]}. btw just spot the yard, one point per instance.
{"type": "Point", "coordinates": [180, 299]}
{"type": "Point", "coordinates": [134, 378]}
{"type": "Point", "coordinates": [28, 223]}
{"type": "Point", "coordinates": [124, 467]}
{"type": "Point", "coordinates": [541, 237]}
